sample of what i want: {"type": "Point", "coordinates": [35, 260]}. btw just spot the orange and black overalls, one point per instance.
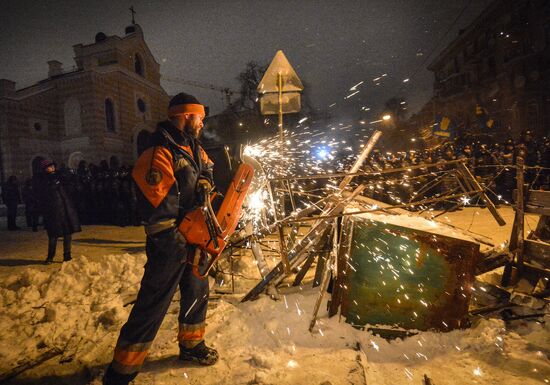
{"type": "Point", "coordinates": [166, 176]}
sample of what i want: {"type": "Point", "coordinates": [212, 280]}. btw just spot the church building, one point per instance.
{"type": "Point", "coordinates": [104, 108]}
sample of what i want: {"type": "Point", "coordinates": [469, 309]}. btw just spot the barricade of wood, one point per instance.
{"type": "Point", "coordinates": [531, 254]}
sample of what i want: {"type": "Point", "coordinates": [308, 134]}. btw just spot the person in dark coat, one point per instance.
{"type": "Point", "coordinates": [31, 205]}
{"type": "Point", "coordinates": [60, 215]}
{"type": "Point", "coordinates": [83, 192]}
{"type": "Point", "coordinates": [11, 197]}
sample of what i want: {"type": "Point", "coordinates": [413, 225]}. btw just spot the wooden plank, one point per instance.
{"type": "Point", "coordinates": [338, 288]}
{"type": "Point", "coordinates": [315, 252]}
{"type": "Point", "coordinates": [322, 289]}
{"type": "Point", "coordinates": [519, 213]}
{"type": "Point", "coordinates": [537, 251]}
{"type": "Point", "coordinates": [359, 162]}
{"type": "Point", "coordinates": [538, 198]}
{"type": "Point", "coordinates": [469, 177]}
{"type": "Point", "coordinates": [514, 235]}
{"type": "Point", "coordinates": [492, 261]}
{"type": "Point", "coordinates": [542, 232]}
{"type": "Point", "coordinates": [303, 270]}
{"type": "Point", "coordinates": [295, 255]}
{"type": "Point", "coordinates": [537, 210]}
{"type": "Point", "coordinates": [534, 197]}
{"type": "Point", "coordinates": [536, 269]}
{"type": "Point", "coordinates": [324, 255]}
{"type": "Point", "coordinates": [320, 268]}
{"type": "Point", "coordinates": [260, 259]}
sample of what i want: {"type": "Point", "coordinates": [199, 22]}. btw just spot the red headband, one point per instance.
{"type": "Point", "coordinates": [186, 109]}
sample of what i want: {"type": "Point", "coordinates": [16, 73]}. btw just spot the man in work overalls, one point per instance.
{"type": "Point", "coordinates": [171, 177]}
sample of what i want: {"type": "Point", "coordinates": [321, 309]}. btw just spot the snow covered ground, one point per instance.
{"type": "Point", "coordinates": [72, 312]}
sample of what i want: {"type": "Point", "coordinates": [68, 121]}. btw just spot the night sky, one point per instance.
{"type": "Point", "coordinates": [332, 45]}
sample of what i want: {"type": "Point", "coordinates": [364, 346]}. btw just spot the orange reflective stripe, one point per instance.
{"type": "Point", "coordinates": [154, 174]}
{"type": "Point", "coordinates": [193, 335]}
{"type": "Point", "coordinates": [127, 358]}
{"type": "Point", "coordinates": [191, 332]}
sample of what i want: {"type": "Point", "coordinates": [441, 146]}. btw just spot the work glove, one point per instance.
{"type": "Point", "coordinates": [203, 190]}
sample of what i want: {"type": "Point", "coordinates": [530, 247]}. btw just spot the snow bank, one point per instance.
{"type": "Point", "coordinates": [80, 309]}
{"type": "Point", "coordinates": [273, 338]}
{"type": "Point", "coordinates": [71, 307]}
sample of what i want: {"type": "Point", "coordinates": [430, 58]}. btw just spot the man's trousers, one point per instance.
{"type": "Point", "coordinates": [163, 274]}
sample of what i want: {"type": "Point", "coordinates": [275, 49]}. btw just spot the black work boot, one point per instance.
{"type": "Point", "coordinates": [112, 377]}
{"type": "Point", "coordinates": [48, 261]}
{"type": "Point", "coordinates": [67, 257]}
{"type": "Point", "coordinates": [200, 354]}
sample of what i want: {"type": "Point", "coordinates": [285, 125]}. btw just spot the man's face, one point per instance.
{"type": "Point", "coordinates": [50, 168]}
{"type": "Point", "coordinates": [194, 124]}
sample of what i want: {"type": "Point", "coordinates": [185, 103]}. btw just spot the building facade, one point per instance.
{"type": "Point", "coordinates": [100, 109]}
{"type": "Point", "coordinates": [494, 78]}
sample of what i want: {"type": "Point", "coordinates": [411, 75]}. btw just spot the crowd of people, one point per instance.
{"type": "Point", "coordinates": [491, 163]}
{"type": "Point", "coordinates": [102, 195]}
{"type": "Point", "coordinates": [105, 195]}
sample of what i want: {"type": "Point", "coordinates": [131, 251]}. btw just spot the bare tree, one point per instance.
{"type": "Point", "coordinates": [249, 79]}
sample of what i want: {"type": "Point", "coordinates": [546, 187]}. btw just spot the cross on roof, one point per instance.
{"type": "Point", "coordinates": [133, 14]}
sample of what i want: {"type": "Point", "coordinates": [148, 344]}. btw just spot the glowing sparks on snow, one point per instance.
{"type": "Point", "coordinates": [477, 372]}
{"type": "Point", "coordinates": [374, 345]}
{"type": "Point", "coordinates": [292, 364]}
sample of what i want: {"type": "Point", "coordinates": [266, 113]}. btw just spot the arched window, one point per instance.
{"type": "Point", "coordinates": [110, 115]}
{"type": "Point", "coordinates": [142, 107]}
{"type": "Point", "coordinates": [138, 64]}
{"type": "Point", "coordinates": [73, 122]}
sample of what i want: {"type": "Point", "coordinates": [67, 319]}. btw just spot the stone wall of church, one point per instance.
{"type": "Point", "coordinates": [125, 91]}
{"type": "Point", "coordinates": [32, 128]}
{"type": "Point", "coordinates": [64, 117]}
